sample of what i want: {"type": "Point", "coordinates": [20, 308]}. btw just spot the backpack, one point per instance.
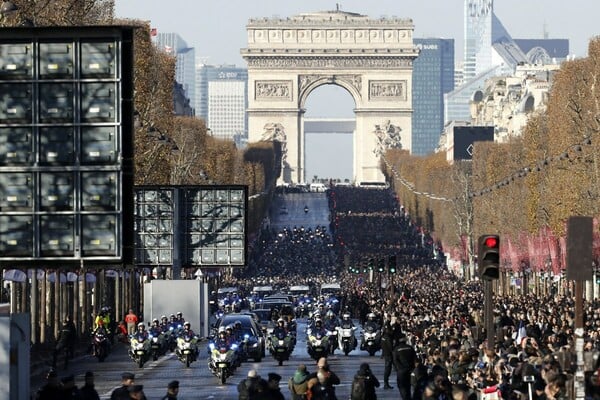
{"type": "Point", "coordinates": [359, 389]}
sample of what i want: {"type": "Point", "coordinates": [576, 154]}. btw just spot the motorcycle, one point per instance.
{"type": "Point", "coordinates": [186, 349]}
{"type": "Point", "coordinates": [280, 346]}
{"type": "Point", "coordinates": [333, 340]}
{"type": "Point", "coordinates": [346, 339]}
{"type": "Point", "coordinates": [139, 350]}
{"type": "Point", "coordinates": [100, 345]}
{"type": "Point", "coordinates": [317, 345]}
{"type": "Point", "coordinates": [371, 340]}
{"type": "Point", "coordinates": [157, 344]}
{"type": "Point", "coordinates": [221, 362]}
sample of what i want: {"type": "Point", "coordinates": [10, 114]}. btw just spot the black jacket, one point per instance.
{"type": "Point", "coordinates": [404, 358]}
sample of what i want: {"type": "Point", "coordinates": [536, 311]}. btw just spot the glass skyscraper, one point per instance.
{"type": "Point", "coordinates": [185, 67]}
{"type": "Point", "coordinates": [433, 76]}
{"type": "Point", "coordinates": [221, 99]}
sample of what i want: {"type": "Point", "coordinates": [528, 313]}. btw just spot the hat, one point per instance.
{"type": "Point", "coordinates": [274, 377]}
{"type": "Point", "coordinates": [135, 388]}
{"type": "Point", "coordinates": [173, 385]}
{"type": "Point", "coordinates": [127, 375]}
{"type": "Point", "coordinates": [364, 367]}
{"type": "Point", "coordinates": [252, 373]}
{"type": "Point", "coordinates": [89, 374]}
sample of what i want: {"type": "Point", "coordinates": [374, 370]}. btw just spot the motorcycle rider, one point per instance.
{"type": "Point", "coordinates": [237, 330]}
{"type": "Point", "coordinates": [164, 323]}
{"type": "Point", "coordinates": [319, 328]}
{"type": "Point", "coordinates": [371, 323]}
{"type": "Point", "coordinates": [100, 330]}
{"type": "Point", "coordinates": [180, 318]}
{"type": "Point", "coordinates": [141, 333]}
{"type": "Point", "coordinates": [187, 330]}
{"type": "Point", "coordinates": [347, 323]}
{"type": "Point", "coordinates": [280, 330]}
{"type": "Point", "coordinates": [331, 324]}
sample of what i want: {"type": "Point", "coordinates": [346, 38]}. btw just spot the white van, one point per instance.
{"type": "Point", "coordinates": [317, 187]}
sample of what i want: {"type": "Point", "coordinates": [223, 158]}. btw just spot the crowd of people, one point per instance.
{"type": "Point", "coordinates": [431, 321]}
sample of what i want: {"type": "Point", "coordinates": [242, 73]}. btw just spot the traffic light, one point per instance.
{"type": "Point", "coordinates": [392, 264]}
{"type": "Point", "coordinates": [381, 265]}
{"type": "Point", "coordinates": [488, 257]}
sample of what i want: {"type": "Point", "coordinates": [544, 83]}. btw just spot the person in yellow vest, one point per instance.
{"type": "Point", "coordinates": [105, 317]}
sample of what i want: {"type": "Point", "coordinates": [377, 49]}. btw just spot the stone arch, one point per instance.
{"type": "Point", "coordinates": [343, 82]}
{"type": "Point", "coordinates": [370, 58]}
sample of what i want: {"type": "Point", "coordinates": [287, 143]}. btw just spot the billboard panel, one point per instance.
{"type": "Point", "coordinates": [66, 145]}
{"type": "Point", "coordinates": [191, 226]}
{"type": "Point", "coordinates": [465, 136]}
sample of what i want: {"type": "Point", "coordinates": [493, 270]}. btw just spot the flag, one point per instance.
{"type": "Point", "coordinates": [153, 32]}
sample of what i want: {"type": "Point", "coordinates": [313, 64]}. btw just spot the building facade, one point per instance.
{"type": "Point", "coordinates": [185, 68]}
{"type": "Point", "coordinates": [433, 76]}
{"type": "Point", "coordinates": [221, 99]}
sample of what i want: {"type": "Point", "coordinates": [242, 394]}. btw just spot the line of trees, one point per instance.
{"type": "Point", "coordinates": [518, 189]}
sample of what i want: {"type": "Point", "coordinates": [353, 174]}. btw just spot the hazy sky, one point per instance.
{"type": "Point", "coordinates": [217, 29]}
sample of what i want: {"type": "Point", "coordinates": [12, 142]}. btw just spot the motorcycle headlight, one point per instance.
{"type": "Point", "coordinates": [139, 346]}
{"type": "Point", "coordinates": [155, 339]}
{"type": "Point", "coordinates": [255, 345]}
{"type": "Point", "coordinates": [150, 336]}
{"type": "Point", "coordinates": [246, 336]}
{"type": "Point", "coordinates": [211, 346]}
{"type": "Point", "coordinates": [234, 346]}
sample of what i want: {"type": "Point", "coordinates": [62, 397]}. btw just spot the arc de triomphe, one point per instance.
{"type": "Point", "coordinates": [370, 58]}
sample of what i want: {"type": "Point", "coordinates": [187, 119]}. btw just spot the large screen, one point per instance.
{"type": "Point", "coordinates": [66, 149]}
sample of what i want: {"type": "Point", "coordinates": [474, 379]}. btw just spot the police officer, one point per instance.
{"type": "Point", "coordinates": [405, 358]}
{"type": "Point", "coordinates": [388, 334]}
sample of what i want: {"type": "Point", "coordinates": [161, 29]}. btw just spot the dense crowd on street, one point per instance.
{"type": "Point", "coordinates": [431, 321]}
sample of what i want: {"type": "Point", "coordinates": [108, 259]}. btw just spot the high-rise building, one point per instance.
{"type": "Point", "coordinates": [221, 99]}
{"type": "Point", "coordinates": [433, 76]}
{"type": "Point", "coordinates": [489, 51]}
{"type": "Point", "coordinates": [185, 67]}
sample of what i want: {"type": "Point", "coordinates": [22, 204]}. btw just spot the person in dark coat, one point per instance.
{"type": "Point", "coordinates": [274, 392]}
{"type": "Point", "coordinates": [52, 390]}
{"type": "Point", "coordinates": [87, 390]}
{"type": "Point", "coordinates": [248, 387]}
{"type": "Point", "coordinates": [122, 393]}
{"type": "Point", "coordinates": [389, 334]}
{"type": "Point", "coordinates": [66, 341]}
{"type": "Point", "coordinates": [172, 391]}
{"type": "Point", "coordinates": [405, 359]}
{"type": "Point", "coordinates": [371, 382]}
{"type": "Point", "coordinates": [70, 390]}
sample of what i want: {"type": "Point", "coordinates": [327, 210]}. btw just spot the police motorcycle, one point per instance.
{"type": "Point", "coordinates": [281, 343]}
{"type": "Point", "coordinates": [371, 336]}
{"type": "Point", "coordinates": [222, 356]}
{"type": "Point", "coordinates": [187, 349]}
{"type": "Point", "coordinates": [157, 340]}
{"type": "Point", "coordinates": [100, 343]}
{"type": "Point", "coordinates": [139, 348]}
{"type": "Point", "coordinates": [174, 329]}
{"type": "Point", "coordinates": [331, 324]}
{"type": "Point", "coordinates": [318, 341]}
{"type": "Point", "coordinates": [346, 338]}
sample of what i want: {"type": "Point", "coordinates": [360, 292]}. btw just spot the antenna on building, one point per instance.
{"type": "Point", "coordinates": [337, 7]}
{"type": "Point", "coordinates": [545, 30]}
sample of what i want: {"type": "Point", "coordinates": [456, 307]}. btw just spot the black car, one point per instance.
{"type": "Point", "coordinates": [254, 340]}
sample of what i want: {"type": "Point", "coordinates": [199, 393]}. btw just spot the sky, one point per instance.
{"type": "Point", "coordinates": [217, 31]}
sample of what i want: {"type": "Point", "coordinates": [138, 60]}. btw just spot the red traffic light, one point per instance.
{"type": "Point", "coordinates": [491, 242]}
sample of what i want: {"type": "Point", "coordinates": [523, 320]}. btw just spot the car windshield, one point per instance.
{"type": "Point", "coordinates": [263, 315]}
